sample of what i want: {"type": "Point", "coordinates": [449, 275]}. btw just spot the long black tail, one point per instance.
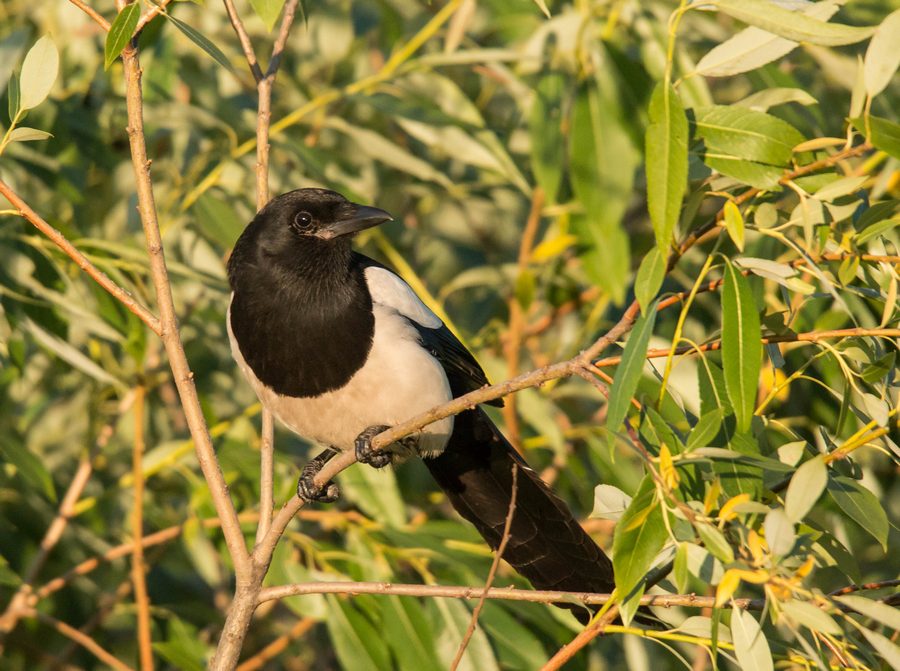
{"type": "Point", "coordinates": [546, 544]}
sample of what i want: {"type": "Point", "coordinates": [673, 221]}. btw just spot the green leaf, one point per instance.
{"type": "Point", "coordinates": [39, 71]}
{"type": "Point", "coordinates": [375, 492]}
{"type": "Point", "coordinates": [359, 646]}
{"type": "Point", "coordinates": [753, 47]}
{"type": "Point", "coordinates": [638, 538]}
{"type": "Point", "coordinates": [666, 161]}
{"type": "Point", "coordinates": [198, 39]}
{"type": "Point", "coordinates": [706, 429]}
{"type": "Point", "coordinates": [734, 224]}
{"type": "Point", "coordinates": [602, 162]}
{"type": "Point", "coordinates": [741, 346]}
{"type": "Point", "coordinates": [26, 134]}
{"type": "Point", "coordinates": [885, 647]}
{"type": "Point", "coordinates": [763, 100]}
{"type": "Point", "coordinates": [547, 139]}
{"type": "Point", "coordinates": [758, 175]}
{"type": "Point", "coordinates": [792, 25]}
{"type": "Point", "coordinates": [629, 371]}
{"type": "Point", "coordinates": [861, 505]}
{"type": "Point", "coordinates": [217, 220]}
{"type": "Point", "coordinates": [882, 133]}
{"type": "Point", "coordinates": [746, 134]}
{"type": "Point", "coordinates": [750, 644]}
{"type": "Point", "coordinates": [14, 97]}
{"type": "Point", "coordinates": [610, 503]}
{"type": "Point", "coordinates": [650, 276]}
{"type": "Point", "coordinates": [680, 567]}
{"type": "Point", "coordinates": [880, 612]}
{"type": "Point", "coordinates": [120, 32]}
{"type": "Point", "coordinates": [883, 56]}
{"type": "Point", "coordinates": [715, 542]}
{"type": "Point", "coordinates": [268, 11]}
{"type": "Point", "coordinates": [29, 466]}
{"type": "Point", "coordinates": [407, 631]}
{"type": "Point", "coordinates": [806, 487]}
{"type": "Point", "coordinates": [450, 619]}
{"type": "Point", "coordinates": [810, 616]}
{"type": "Point", "coordinates": [780, 533]}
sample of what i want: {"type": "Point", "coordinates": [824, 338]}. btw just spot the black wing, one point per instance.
{"type": "Point", "coordinates": [462, 369]}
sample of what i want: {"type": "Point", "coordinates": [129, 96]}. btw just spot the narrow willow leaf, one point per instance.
{"type": "Point", "coordinates": [747, 134]}
{"type": "Point", "coordinates": [638, 538]}
{"type": "Point", "coordinates": [753, 47]}
{"type": "Point", "coordinates": [120, 32]}
{"type": "Point", "coordinates": [780, 533]}
{"type": "Point", "coordinates": [750, 644]}
{"type": "Point", "coordinates": [861, 505]}
{"type": "Point", "coordinates": [357, 644]}
{"type": "Point", "coordinates": [29, 467]}
{"type": "Point", "coordinates": [883, 133]}
{"type": "Point", "coordinates": [806, 487]}
{"type": "Point", "coordinates": [792, 25]}
{"type": "Point", "coordinates": [706, 429]}
{"type": "Point", "coordinates": [14, 98]}
{"type": "Point", "coordinates": [268, 11]}
{"type": "Point", "coordinates": [741, 346]}
{"type": "Point", "coordinates": [883, 55]}
{"type": "Point", "coordinates": [810, 616]}
{"type": "Point", "coordinates": [547, 139]}
{"type": "Point", "coordinates": [880, 612]}
{"type": "Point", "coordinates": [888, 650]}
{"type": "Point", "coordinates": [763, 100]}
{"type": "Point", "coordinates": [628, 374]}
{"type": "Point", "coordinates": [757, 175]}
{"type": "Point", "coordinates": [666, 160]}
{"type": "Point", "coordinates": [39, 71]}
{"type": "Point", "coordinates": [202, 42]}
{"type": "Point", "coordinates": [610, 502]}
{"type": "Point", "coordinates": [715, 542]}
{"type": "Point", "coordinates": [680, 567]}
{"type": "Point", "coordinates": [734, 224]}
{"type": "Point", "coordinates": [26, 134]}
{"type": "Point", "coordinates": [650, 276]}
{"type": "Point", "coordinates": [409, 635]}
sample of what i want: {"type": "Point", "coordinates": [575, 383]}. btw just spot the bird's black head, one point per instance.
{"type": "Point", "coordinates": [303, 229]}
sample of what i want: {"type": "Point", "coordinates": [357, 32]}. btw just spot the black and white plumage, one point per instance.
{"type": "Point", "coordinates": [338, 347]}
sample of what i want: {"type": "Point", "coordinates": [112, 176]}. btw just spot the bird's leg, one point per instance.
{"type": "Point", "coordinates": [364, 452]}
{"type": "Point", "coordinates": [306, 486]}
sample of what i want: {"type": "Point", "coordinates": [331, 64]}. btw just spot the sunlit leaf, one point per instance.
{"type": "Point", "coordinates": [806, 487]}
{"type": "Point", "coordinates": [750, 643]}
{"type": "Point", "coordinates": [734, 224]}
{"type": "Point", "coordinates": [39, 71]}
{"type": "Point", "coordinates": [649, 279]}
{"type": "Point", "coordinates": [741, 346]}
{"type": "Point", "coordinates": [791, 25]}
{"type": "Point", "coordinates": [120, 32]}
{"type": "Point", "coordinates": [26, 134]}
{"type": "Point", "coordinates": [666, 161]}
{"type": "Point", "coordinates": [204, 43]}
{"type": "Point", "coordinates": [883, 56]}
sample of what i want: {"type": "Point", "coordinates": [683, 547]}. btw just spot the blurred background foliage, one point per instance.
{"type": "Point", "coordinates": [450, 125]}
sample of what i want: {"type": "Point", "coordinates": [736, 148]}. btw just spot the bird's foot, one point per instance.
{"type": "Point", "coordinates": [365, 454]}
{"type": "Point", "coordinates": [308, 490]}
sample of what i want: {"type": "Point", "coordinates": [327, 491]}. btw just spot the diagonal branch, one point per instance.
{"type": "Point", "coordinates": [55, 236]}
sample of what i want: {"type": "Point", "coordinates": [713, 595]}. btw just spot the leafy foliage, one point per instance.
{"type": "Point", "coordinates": [757, 141]}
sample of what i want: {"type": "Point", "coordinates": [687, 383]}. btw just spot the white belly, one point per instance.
{"type": "Point", "coordinates": [398, 381]}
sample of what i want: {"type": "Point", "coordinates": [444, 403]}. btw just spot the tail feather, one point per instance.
{"type": "Point", "coordinates": [546, 544]}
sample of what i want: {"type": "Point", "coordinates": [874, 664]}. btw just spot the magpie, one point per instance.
{"type": "Point", "coordinates": [339, 348]}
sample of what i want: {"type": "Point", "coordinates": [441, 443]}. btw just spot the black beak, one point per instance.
{"type": "Point", "coordinates": [361, 218]}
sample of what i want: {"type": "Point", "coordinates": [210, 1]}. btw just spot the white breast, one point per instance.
{"type": "Point", "coordinates": [399, 380]}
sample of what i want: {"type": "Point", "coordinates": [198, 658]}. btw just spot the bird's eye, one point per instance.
{"type": "Point", "coordinates": [302, 220]}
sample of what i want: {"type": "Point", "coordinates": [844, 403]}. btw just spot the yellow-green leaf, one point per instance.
{"type": "Point", "coordinates": [120, 32]}
{"type": "Point", "coordinates": [741, 346]}
{"type": "Point", "coordinates": [666, 161]}
{"type": "Point", "coordinates": [734, 224]}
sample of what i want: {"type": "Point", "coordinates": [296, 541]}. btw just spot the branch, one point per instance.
{"type": "Point", "coordinates": [498, 555]}
{"type": "Point", "coordinates": [501, 593]}
{"type": "Point", "coordinates": [80, 259]}
{"type": "Point", "coordinates": [183, 377]}
{"type": "Point", "coordinates": [138, 572]}
{"type": "Point", "coordinates": [83, 640]}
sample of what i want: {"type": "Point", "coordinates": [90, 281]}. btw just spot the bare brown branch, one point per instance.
{"type": "Point", "coordinates": [138, 572]}
{"type": "Point", "coordinates": [83, 640]}
{"type": "Point", "coordinates": [57, 238]}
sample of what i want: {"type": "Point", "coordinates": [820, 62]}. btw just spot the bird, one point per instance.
{"type": "Point", "coordinates": [339, 348]}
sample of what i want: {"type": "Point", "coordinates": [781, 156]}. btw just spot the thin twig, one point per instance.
{"type": "Point", "coordinates": [156, 10]}
{"type": "Point", "coordinates": [266, 474]}
{"type": "Point", "coordinates": [473, 623]}
{"type": "Point", "coordinates": [849, 589]}
{"type": "Point", "coordinates": [138, 572]}
{"type": "Point", "coordinates": [513, 346]}
{"type": "Point", "coordinates": [91, 12]}
{"type": "Point", "coordinates": [183, 377]}
{"type": "Point", "coordinates": [276, 647]}
{"type": "Point", "coordinates": [244, 39]}
{"type": "Point", "coordinates": [57, 238]}
{"type": "Point", "coordinates": [83, 640]}
{"type": "Point", "coordinates": [502, 593]}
